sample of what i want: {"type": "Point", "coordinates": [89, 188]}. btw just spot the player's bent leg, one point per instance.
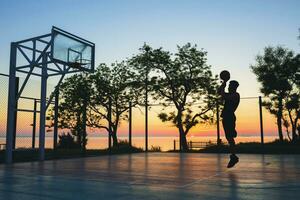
{"type": "Point", "coordinates": [230, 133]}
{"type": "Point", "coordinates": [233, 158]}
{"type": "Point", "coordinates": [231, 143]}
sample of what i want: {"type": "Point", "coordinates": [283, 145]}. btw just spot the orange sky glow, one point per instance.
{"type": "Point", "coordinates": [247, 123]}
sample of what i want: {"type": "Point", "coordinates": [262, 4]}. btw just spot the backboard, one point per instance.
{"type": "Point", "coordinates": [71, 50]}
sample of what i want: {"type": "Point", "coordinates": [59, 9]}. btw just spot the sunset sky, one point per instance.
{"type": "Point", "coordinates": [231, 31]}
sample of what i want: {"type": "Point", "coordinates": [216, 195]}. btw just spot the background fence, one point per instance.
{"type": "Point", "coordinates": [27, 136]}
{"type": "Point", "coordinates": [3, 108]}
{"type": "Point", "coordinates": [160, 134]}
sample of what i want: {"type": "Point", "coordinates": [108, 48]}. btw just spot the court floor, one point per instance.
{"type": "Point", "coordinates": [154, 176]}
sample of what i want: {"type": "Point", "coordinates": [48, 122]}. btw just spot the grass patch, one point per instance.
{"type": "Point", "coordinates": [275, 147]}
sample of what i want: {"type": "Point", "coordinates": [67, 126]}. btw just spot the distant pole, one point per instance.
{"type": "Point", "coordinates": [146, 113]}
{"type": "Point", "coordinates": [16, 113]}
{"type": "Point", "coordinates": [109, 124]}
{"type": "Point", "coordinates": [218, 126]}
{"type": "Point", "coordinates": [146, 101]}
{"type": "Point", "coordinates": [261, 120]}
{"type": "Point", "coordinates": [55, 129]}
{"type": "Point", "coordinates": [34, 123]}
{"type": "Point", "coordinates": [130, 124]}
{"type": "Point", "coordinates": [174, 144]}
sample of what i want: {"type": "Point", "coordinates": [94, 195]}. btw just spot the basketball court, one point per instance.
{"type": "Point", "coordinates": [131, 176]}
{"type": "Point", "coordinates": [154, 176]}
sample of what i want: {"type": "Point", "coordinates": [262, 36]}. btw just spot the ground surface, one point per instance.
{"type": "Point", "coordinates": [154, 176]}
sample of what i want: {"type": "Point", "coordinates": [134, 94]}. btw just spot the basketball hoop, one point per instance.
{"type": "Point", "coordinates": [79, 63]}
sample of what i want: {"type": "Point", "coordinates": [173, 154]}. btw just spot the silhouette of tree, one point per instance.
{"type": "Point", "coordinates": [293, 110]}
{"type": "Point", "coordinates": [276, 70]}
{"type": "Point", "coordinates": [182, 80]}
{"type": "Point", "coordinates": [292, 101]}
{"type": "Point", "coordinates": [113, 87]}
{"type": "Point", "coordinates": [75, 94]}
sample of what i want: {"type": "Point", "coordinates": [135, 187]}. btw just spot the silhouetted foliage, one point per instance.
{"type": "Point", "coordinates": [142, 64]}
{"type": "Point", "coordinates": [276, 71]}
{"type": "Point", "coordinates": [124, 147]}
{"type": "Point", "coordinates": [155, 148]}
{"type": "Point", "coordinates": [67, 141]}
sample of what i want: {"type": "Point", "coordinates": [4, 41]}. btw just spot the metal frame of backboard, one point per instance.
{"type": "Point", "coordinates": [37, 52]}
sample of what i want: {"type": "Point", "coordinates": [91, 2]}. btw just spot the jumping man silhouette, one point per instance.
{"type": "Point", "coordinates": [232, 100]}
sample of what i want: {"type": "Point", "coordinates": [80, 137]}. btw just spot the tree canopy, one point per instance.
{"type": "Point", "coordinates": [113, 89]}
{"type": "Point", "coordinates": [181, 79]}
{"type": "Point", "coordinates": [75, 93]}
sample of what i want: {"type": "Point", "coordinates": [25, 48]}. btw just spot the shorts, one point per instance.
{"type": "Point", "coordinates": [229, 126]}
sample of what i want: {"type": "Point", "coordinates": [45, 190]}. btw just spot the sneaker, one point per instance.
{"type": "Point", "coordinates": [233, 160]}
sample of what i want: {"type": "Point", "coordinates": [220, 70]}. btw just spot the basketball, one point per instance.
{"type": "Point", "coordinates": [225, 75]}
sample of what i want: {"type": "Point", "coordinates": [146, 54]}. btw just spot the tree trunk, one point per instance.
{"type": "Point", "coordinates": [114, 135]}
{"type": "Point", "coordinates": [115, 126]}
{"type": "Point", "coordinates": [297, 128]}
{"type": "Point", "coordinates": [279, 120]}
{"type": "Point", "coordinates": [294, 135]}
{"type": "Point", "coordinates": [184, 142]}
{"type": "Point", "coordinates": [182, 136]}
{"type": "Point", "coordinates": [84, 118]}
{"type": "Point", "coordinates": [115, 139]}
{"type": "Point", "coordinates": [279, 126]}
{"type": "Point", "coordinates": [78, 129]}
{"type": "Point", "coordinates": [294, 129]}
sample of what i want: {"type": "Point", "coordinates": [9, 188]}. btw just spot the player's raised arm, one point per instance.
{"type": "Point", "coordinates": [221, 89]}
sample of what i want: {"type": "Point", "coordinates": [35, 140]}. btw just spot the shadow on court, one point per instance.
{"type": "Point", "coordinates": [154, 176]}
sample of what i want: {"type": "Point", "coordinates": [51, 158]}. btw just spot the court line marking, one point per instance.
{"type": "Point", "coordinates": [132, 183]}
{"type": "Point", "coordinates": [202, 179]}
